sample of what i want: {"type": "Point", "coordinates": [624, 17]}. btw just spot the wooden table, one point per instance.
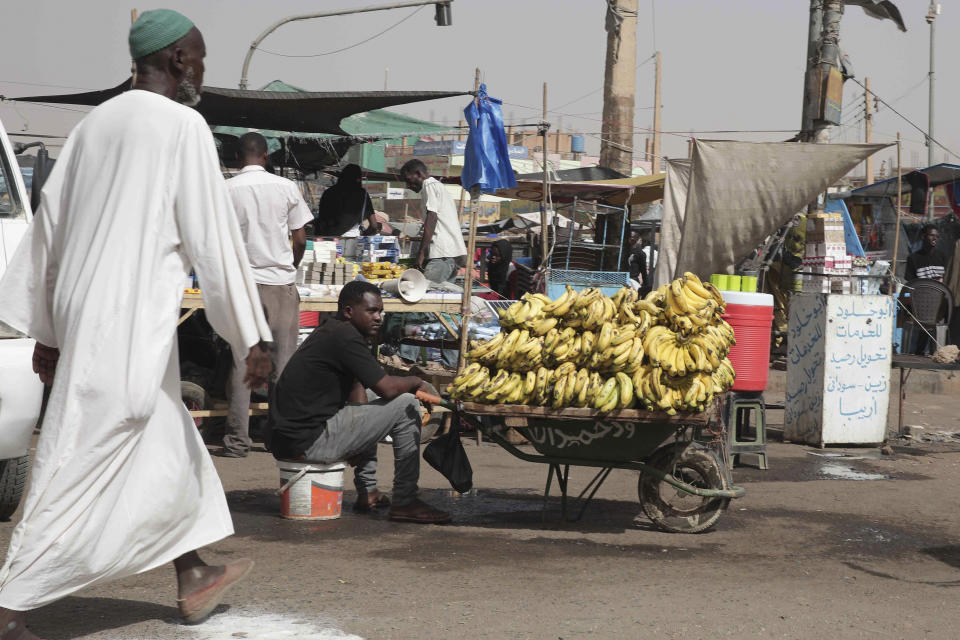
{"type": "Point", "coordinates": [390, 305]}
{"type": "Point", "coordinates": [451, 305]}
{"type": "Point", "coordinates": [906, 363]}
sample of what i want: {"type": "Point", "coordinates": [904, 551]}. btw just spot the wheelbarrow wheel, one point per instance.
{"type": "Point", "coordinates": [678, 511]}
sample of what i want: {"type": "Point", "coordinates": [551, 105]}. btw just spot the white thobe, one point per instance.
{"type": "Point", "coordinates": [121, 480]}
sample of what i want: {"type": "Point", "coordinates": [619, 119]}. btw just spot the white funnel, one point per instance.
{"type": "Point", "coordinates": [410, 286]}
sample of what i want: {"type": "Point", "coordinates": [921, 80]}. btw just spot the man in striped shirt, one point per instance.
{"type": "Point", "coordinates": [927, 263]}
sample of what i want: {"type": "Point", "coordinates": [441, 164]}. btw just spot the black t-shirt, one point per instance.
{"type": "Point", "coordinates": [926, 264]}
{"type": "Point", "coordinates": [315, 385]}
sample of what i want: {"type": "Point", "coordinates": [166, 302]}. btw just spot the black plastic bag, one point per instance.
{"type": "Point", "coordinates": [447, 455]}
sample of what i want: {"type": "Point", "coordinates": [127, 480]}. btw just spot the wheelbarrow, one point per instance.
{"type": "Point", "coordinates": [683, 487]}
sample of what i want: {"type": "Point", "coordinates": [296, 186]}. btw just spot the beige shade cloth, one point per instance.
{"type": "Point", "coordinates": [671, 226]}
{"type": "Point", "coordinates": [741, 192]}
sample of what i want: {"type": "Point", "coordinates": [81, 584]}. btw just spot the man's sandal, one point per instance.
{"type": "Point", "coordinates": [200, 604]}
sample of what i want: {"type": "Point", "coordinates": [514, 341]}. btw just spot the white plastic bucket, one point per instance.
{"type": "Point", "coordinates": [310, 490]}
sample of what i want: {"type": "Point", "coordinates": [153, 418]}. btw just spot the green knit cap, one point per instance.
{"type": "Point", "coordinates": [155, 30]}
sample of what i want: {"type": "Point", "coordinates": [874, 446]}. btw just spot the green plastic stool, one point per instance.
{"type": "Point", "coordinates": [746, 421]}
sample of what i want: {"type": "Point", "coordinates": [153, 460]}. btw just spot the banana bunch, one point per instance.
{"type": "Point", "coordinates": [723, 376]}
{"type": "Point", "coordinates": [689, 305]}
{"type": "Point", "coordinates": [517, 350]}
{"type": "Point", "coordinates": [678, 355]}
{"type": "Point", "coordinates": [664, 352]}
{"type": "Point", "coordinates": [528, 313]}
{"type": "Point", "coordinates": [657, 391]}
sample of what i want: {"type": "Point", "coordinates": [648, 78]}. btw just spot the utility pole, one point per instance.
{"type": "Point", "coordinates": [823, 53]}
{"type": "Point", "coordinates": [657, 114]}
{"type": "Point", "coordinates": [868, 129]}
{"type": "Point", "coordinates": [810, 88]}
{"type": "Point", "coordinates": [932, 14]}
{"type": "Point", "coordinates": [619, 86]}
{"type": "Point", "coordinates": [544, 225]}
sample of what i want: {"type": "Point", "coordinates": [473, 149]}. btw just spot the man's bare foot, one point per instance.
{"type": "Point", "coordinates": [201, 588]}
{"type": "Point", "coordinates": [13, 626]}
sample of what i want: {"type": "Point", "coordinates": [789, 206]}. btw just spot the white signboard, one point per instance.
{"type": "Point", "coordinates": [838, 368]}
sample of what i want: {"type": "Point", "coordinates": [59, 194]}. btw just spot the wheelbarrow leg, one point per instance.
{"type": "Point", "coordinates": [562, 479]}
{"type": "Point", "coordinates": [546, 496]}
{"type": "Point", "coordinates": [593, 486]}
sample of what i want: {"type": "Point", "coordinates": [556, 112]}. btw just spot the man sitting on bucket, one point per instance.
{"type": "Point", "coordinates": [319, 410]}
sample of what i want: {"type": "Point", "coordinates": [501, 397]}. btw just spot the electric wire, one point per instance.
{"type": "Point", "coordinates": [908, 121]}
{"type": "Point", "coordinates": [330, 53]}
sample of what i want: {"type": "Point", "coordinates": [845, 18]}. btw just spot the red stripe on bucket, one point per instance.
{"type": "Point", "coordinates": [751, 355]}
{"type": "Point", "coordinates": [309, 318]}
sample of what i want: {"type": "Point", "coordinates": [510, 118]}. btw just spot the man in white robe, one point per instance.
{"type": "Point", "coordinates": [121, 481]}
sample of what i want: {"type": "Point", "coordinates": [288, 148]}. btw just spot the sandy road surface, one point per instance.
{"type": "Point", "coordinates": [813, 551]}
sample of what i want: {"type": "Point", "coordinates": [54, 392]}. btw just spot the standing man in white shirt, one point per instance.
{"type": "Point", "coordinates": [441, 241]}
{"type": "Point", "coordinates": [270, 209]}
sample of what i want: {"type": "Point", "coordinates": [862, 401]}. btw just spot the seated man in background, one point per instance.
{"type": "Point", "coordinates": [319, 410]}
{"type": "Point", "coordinates": [927, 262]}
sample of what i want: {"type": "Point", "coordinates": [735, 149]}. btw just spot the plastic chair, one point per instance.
{"type": "Point", "coordinates": [927, 299]}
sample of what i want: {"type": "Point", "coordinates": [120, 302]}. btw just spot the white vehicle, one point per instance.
{"type": "Point", "coordinates": [21, 392]}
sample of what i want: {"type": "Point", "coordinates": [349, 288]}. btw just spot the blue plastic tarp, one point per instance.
{"type": "Point", "coordinates": [854, 247]}
{"type": "Point", "coordinates": [486, 162]}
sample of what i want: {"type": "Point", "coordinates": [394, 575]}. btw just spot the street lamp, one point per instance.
{"type": "Point", "coordinates": [443, 17]}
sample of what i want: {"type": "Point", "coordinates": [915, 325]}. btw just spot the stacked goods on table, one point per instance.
{"type": "Point", "coordinates": [825, 255]}
{"type": "Point", "coordinates": [381, 270]}
{"type": "Point", "coordinates": [374, 248]}
{"type": "Point", "coordinates": [665, 352]}
{"type": "Point", "coordinates": [337, 272]}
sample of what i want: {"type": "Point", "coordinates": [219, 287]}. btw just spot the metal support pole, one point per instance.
{"type": "Point", "coordinates": [468, 279]}
{"type": "Point", "coordinates": [868, 129]}
{"type": "Point", "coordinates": [573, 221]}
{"type": "Point", "coordinates": [544, 231]}
{"type": "Point", "coordinates": [896, 238]}
{"type": "Point", "coordinates": [657, 116]}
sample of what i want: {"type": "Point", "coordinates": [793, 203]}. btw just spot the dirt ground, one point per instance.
{"type": "Point", "coordinates": [840, 546]}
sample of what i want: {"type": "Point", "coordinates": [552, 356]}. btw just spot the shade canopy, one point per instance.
{"type": "Point", "coordinates": [619, 192]}
{"type": "Point", "coordinates": [939, 174]}
{"type": "Point", "coordinates": [305, 111]}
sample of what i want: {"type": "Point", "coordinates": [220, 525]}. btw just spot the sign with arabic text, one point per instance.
{"type": "Point", "coordinates": [838, 368]}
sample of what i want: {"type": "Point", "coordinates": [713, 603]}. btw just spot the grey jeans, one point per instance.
{"type": "Point", "coordinates": [355, 431]}
{"type": "Point", "coordinates": [440, 269]}
{"type": "Point", "coordinates": [282, 304]}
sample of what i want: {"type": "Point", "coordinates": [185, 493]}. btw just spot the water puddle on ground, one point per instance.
{"type": "Point", "coordinates": [838, 471]}
{"type": "Point", "coordinates": [265, 626]}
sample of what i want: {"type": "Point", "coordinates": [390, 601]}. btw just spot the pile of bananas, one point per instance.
{"type": "Point", "coordinates": [664, 352]}
{"type": "Point", "coordinates": [374, 271]}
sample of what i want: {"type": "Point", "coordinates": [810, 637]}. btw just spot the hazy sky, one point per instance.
{"type": "Point", "coordinates": [731, 65]}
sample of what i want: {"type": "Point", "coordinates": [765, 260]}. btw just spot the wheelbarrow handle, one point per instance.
{"type": "Point", "coordinates": [429, 398]}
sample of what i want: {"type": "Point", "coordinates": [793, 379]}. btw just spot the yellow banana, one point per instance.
{"type": "Point", "coordinates": [605, 337]}
{"type": "Point", "coordinates": [588, 342]}
{"type": "Point", "coordinates": [568, 389]}
{"type": "Point", "coordinates": [583, 378]}
{"type": "Point", "coordinates": [623, 334]}
{"type": "Point", "coordinates": [603, 395]}
{"type": "Point", "coordinates": [688, 362]}
{"type": "Point", "coordinates": [559, 391]}
{"type": "Point", "coordinates": [529, 383]}
{"type": "Point", "coordinates": [551, 307]}
{"type": "Point", "coordinates": [612, 400]}
{"type": "Point", "coordinates": [564, 370]}
{"type": "Point", "coordinates": [545, 325]}
{"type": "Point", "coordinates": [626, 390]}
